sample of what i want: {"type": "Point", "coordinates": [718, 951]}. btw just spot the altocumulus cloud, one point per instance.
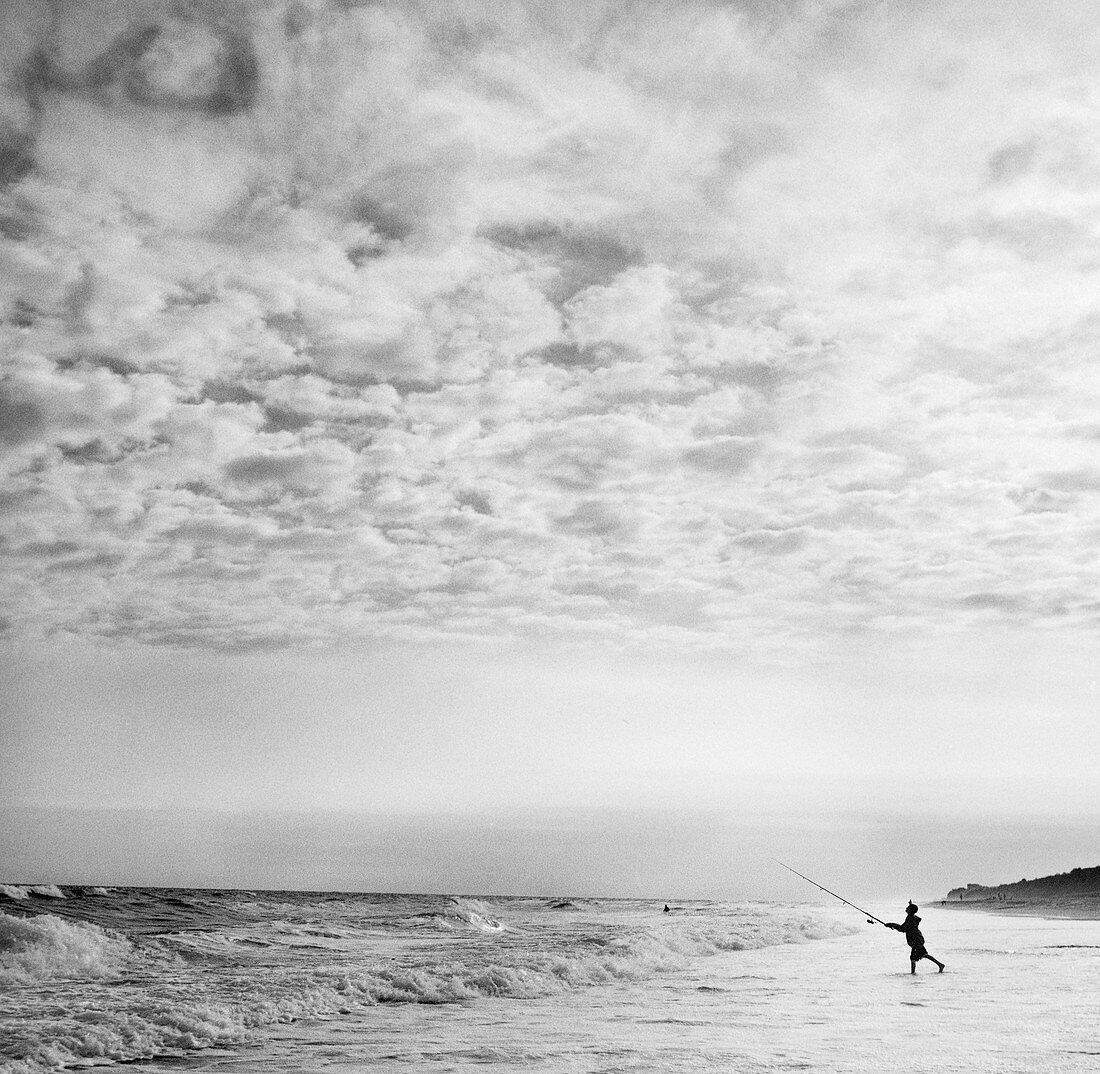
{"type": "Point", "coordinates": [707, 325]}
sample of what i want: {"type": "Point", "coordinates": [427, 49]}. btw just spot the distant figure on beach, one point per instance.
{"type": "Point", "coordinates": [667, 910]}
{"type": "Point", "coordinates": [913, 937]}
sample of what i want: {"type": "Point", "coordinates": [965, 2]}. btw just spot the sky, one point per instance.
{"type": "Point", "coordinates": [544, 447]}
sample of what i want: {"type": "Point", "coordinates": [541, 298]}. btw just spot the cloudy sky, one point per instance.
{"type": "Point", "coordinates": [653, 423]}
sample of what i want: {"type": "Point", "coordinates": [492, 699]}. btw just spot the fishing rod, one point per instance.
{"type": "Point", "coordinates": [870, 917]}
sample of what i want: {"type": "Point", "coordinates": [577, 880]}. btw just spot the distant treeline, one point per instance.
{"type": "Point", "coordinates": [1075, 882]}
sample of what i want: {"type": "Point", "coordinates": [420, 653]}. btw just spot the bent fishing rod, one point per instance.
{"type": "Point", "coordinates": [870, 917]}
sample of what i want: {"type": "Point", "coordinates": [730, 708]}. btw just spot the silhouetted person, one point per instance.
{"type": "Point", "coordinates": [666, 909]}
{"type": "Point", "coordinates": [913, 937]}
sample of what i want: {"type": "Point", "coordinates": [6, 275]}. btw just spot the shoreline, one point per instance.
{"type": "Point", "coordinates": [1084, 907]}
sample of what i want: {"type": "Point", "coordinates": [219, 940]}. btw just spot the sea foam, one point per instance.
{"type": "Point", "coordinates": [19, 892]}
{"type": "Point", "coordinates": [45, 947]}
{"type": "Point", "coordinates": [142, 1032]}
{"type": "Point", "coordinates": [193, 981]}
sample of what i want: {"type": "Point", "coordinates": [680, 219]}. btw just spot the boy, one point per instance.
{"type": "Point", "coordinates": [913, 937]}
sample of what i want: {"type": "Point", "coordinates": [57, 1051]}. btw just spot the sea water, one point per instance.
{"type": "Point", "coordinates": [253, 982]}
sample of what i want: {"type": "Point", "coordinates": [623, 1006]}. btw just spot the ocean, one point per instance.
{"type": "Point", "coordinates": [242, 981]}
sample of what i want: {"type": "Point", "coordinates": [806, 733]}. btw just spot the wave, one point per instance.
{"type": "Point", "coordinates": [476, 913]}
{"type": "Point", "coordinates": [46, 891]}
{"type": "Point", "coordinates": [142, 1032]}
{"type": "Point", "coordinates": [18, 892]}
{"type": "Point", "coordinates": [174, 993]}
{"type": "Point", "coordinates": [45, 948]}
{"type": "Point", "coordinates": [632, 958]}
{"type": "Point", "coordinates": [751, 930]}
{"type": "Point", "coordinates": [123, 1025]}
{"type": "Point", "coordinates": [466, 914]}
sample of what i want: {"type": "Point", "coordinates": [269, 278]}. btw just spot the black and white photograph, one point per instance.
{"type": "Point", "coordinates": [550, 535]}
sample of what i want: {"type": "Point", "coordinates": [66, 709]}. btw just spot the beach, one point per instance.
{"type": "Point", "coordinates": [259, 981]}
{"type": "Point", "coordinates": [1084, 907]}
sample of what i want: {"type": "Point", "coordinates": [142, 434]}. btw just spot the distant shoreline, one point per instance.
{"type": "Point", "coordinates": [1084, 907]}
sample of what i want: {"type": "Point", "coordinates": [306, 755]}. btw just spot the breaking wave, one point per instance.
{"type": "Point", "coordinates": [170, 994]}
{"type": "Point", "coordinates": [463, 915]}
{"type": "Point", "coordinates": [18, 892]}
{"type": "Point", "coordinates": [469, 913]}
{"type": "Point", "coordinates": [143, 1032]}
{"type": "Point", "coordinates": [45, 947]}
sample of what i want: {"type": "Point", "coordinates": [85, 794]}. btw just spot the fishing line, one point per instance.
{"type": "Point", "coordinates": [871, 919]}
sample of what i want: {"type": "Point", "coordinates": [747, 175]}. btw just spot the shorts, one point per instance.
{"type": "Point", "coordinates": [917, 953]}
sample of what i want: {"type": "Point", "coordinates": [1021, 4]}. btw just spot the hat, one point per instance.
{"type": "Point", "coordinates": [912, 908]}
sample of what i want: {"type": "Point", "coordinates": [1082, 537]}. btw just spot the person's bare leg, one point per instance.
{"type": "Point", "coordinates": [937, 962]}
{"type": "Point", "coordinates": [912, 966]}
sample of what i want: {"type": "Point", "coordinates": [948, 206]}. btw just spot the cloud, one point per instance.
{"type": "Point", "coordinates": [710, 325]}
{"type": "Point", "coordinates": [317, 467]}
